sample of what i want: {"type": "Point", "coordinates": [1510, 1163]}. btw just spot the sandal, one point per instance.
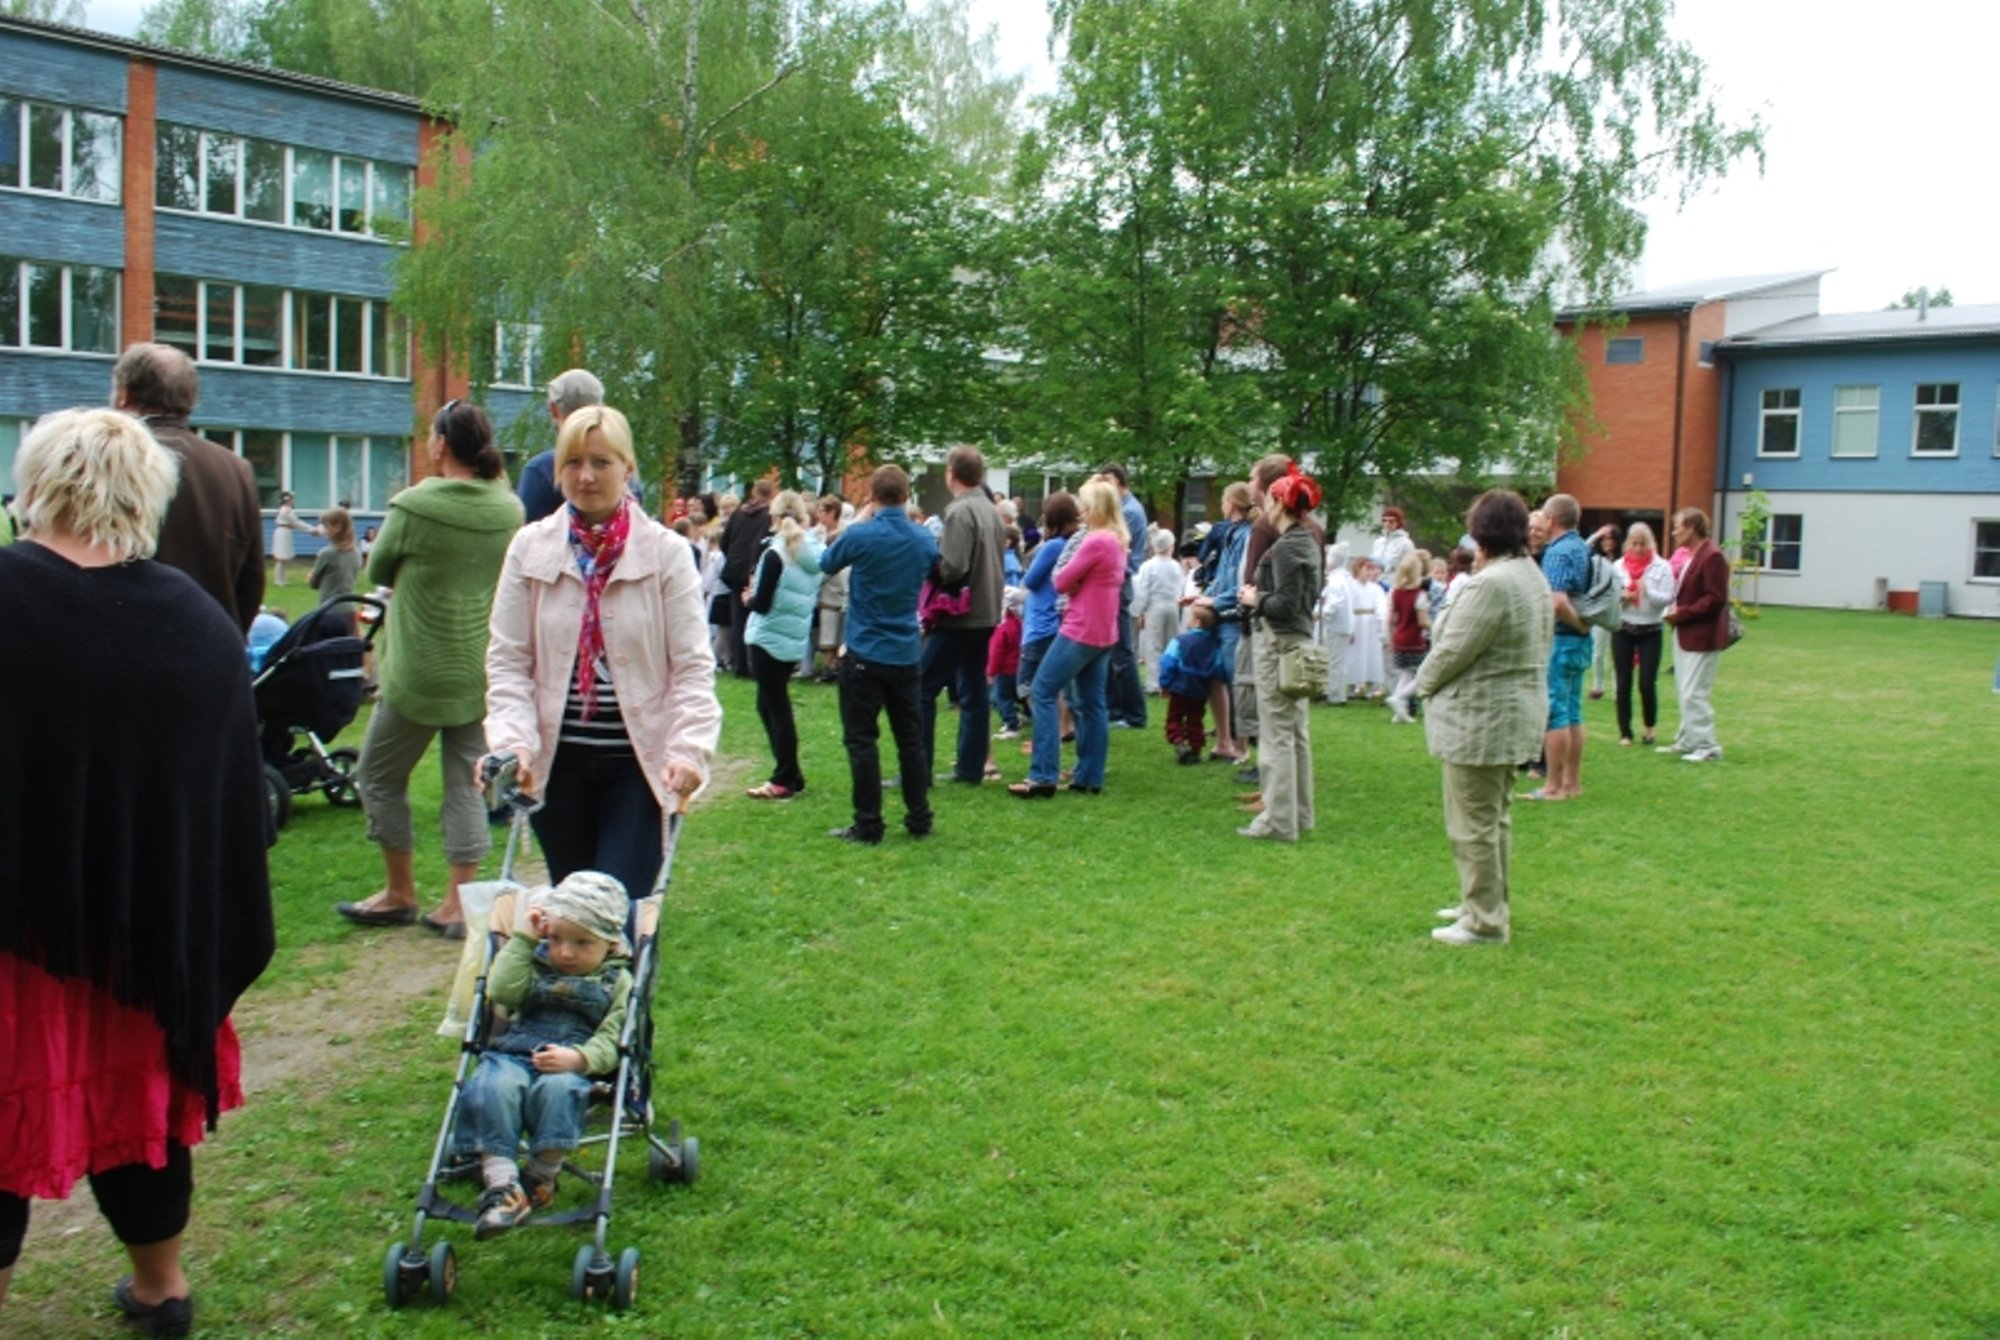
{"type": "Point", "coordinates": [770, 791]}
{"type": "Point", "coordinates": [169, 1316]}
{"type": "Point", "coordinates": [992, 774]}
{"type": "Point", "coordinates": [362, 914]}
{"type": "Point", "coordinates": [1032, 790]}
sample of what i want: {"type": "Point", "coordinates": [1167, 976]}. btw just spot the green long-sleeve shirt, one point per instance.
{"type": "Point", "coordinates": [514, 969]}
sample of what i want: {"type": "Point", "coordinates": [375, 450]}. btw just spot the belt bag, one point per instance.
{"type": "Point", "coordinates": [1302, 669]}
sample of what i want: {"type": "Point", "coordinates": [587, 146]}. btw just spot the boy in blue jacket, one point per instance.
{"type": "Point", "coordinates": [1186, 670]}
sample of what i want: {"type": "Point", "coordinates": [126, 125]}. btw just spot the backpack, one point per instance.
{"type": "Point", "coordinates": [1602, 602]}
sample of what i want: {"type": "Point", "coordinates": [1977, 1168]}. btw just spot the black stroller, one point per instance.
{"type": "Point", "coordinates": [620, 1106]}
{"type": "Point", "coordinates": [311, 686]}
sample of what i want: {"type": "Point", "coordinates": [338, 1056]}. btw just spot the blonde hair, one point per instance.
{"type": "Point", "coordinates": [608, 423]}
{"type": "Point", "coordinates": [1099, 503]}
{"type": "Point", "coordinates": [338, 524]}
{"type": "Point", "coordinates": [789, 518]}
{"type": "Point", "coordinates": [1409, 572]}
{"type": "Point", "coordinates": [1239, 496]}
{"type": "Point", "coordinates": [99, 475]}
{"type": "Point", "coordinates": [1635, 531]}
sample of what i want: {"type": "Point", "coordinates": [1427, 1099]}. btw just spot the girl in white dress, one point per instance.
{"type": "Point", "coordinates": [1336, 622]}
{"type": "Point", "coordinates": [1365, 675]}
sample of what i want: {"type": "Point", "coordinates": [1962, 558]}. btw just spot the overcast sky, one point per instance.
{"type": "Point", "coordinates": [1877, 121]}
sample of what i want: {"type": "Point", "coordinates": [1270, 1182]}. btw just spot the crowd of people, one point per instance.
{"type": "Point", "coordinates": [565, 628]}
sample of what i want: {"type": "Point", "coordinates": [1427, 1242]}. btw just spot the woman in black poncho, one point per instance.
{"type": "Point", "coordinates": [134, 902]}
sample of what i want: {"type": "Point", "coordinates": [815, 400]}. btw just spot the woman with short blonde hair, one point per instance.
{"type": "Point", "coordinates": [98, 475]}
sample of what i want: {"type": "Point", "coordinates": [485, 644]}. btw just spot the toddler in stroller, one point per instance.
{"type": "Point", "coordinates": [566, 981]}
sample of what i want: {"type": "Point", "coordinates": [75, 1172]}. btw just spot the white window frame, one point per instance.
{"type": "Point", "coordinates": [1977, 549]}
{"type": "Point", "coordinates": [373, 309]}
{"type": "Point", "coordinates": [340, 164]}
{"type": "Point", "coordinates": [1765, 544]}
{"type": "Point", "coordinates": [19, 342]}
{"type": "Point", "coordinates": [67, 189]}
{"type": "Point", "coordinates": [532, 331]}
{"type": "Point", "coordinates": [1794, 412]}
{"type": "Point", "coordinates": [1918, 410]}
{"type": "Point", "coordinates": [1839, 410]}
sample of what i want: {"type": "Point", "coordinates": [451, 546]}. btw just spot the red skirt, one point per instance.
{"type": "Point", "coordinates": [84, 1085]}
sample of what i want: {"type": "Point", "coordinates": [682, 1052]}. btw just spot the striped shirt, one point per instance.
{"type": "Point", "coordinates": [606, 728]}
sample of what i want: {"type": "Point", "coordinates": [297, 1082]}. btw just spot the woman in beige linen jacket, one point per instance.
{"type": "Point", "coordinates": [1485, 706]}
{"type": "Point", "coordinates": [609, 751]}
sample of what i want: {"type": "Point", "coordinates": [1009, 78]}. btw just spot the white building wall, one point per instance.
{"type": "Point", "coordinates": [1853, 541]}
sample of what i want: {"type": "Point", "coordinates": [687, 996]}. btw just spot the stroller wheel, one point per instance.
{"type": "Point", "coordinates": [443, 1272]}
{"type": "Point", "coordinates": [625, 1284]}
{"type": "Point", "coordinates": [582, 1273]}
{"type": "Point", "coordinates": [339, 786]}
{"type": "Point", "coordinates": [402, 1274]}
{"type": "Point", "coordinates": [278, 794]}
{"type": "Point", "coordinates": [680, 1161]}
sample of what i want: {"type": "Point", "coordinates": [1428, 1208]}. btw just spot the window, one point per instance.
{"type": "Point", "coordinates": [206, 172]}
{"type": "Point", "coordinates": [263, 327]}
{"type": "Point", "coordinates": [229, 323]}
{"type": "Point", "coordinates": [389, 355]}
{"type": "Point", "coordinates": [352, 176]}
{"type": "Point", "coordinates": [389, 211]}
{"type": "Point", "coordinates": [263, 181]}
{"type": "Point", "coordinates": [73, 308]}
{"type": "Point", "coordinates": [516, 353]}
{"type": "Point", "coordinates": [1626, 349]}
{"type": "Point", "coordinates": [388, 472]}
{"type": "Point", "coordinates": [1778, 433]}
{"type": "Point", "coordinates": [1856, 416]}
{"type": "Point", "coordinates": [177, 168]}
{"type": "Point", "coordinates": [312, 190]}
{"type": "Point", "coordinates": [221, 165]}
{"type": "Point", "coordinates": [1705, 354]}
{"type": "Point", "coordinates": [48, 148]}
{"type": "Point", "coordinates": [1780, 547]}
{"type": "Point", "coordinates": [1937, 419]}
{"type": "Point", "coordinates": [1986, 550]}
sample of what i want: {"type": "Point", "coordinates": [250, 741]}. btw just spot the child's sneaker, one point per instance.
{"type": "Point", "coordinates": [1007, 733]}
{"type": "Point", "coordinates": [501, 1208]}
{"type": "Point", "coordinates": [1185, 755]}
{"type": "Point", "coordinates": [541, 1191]}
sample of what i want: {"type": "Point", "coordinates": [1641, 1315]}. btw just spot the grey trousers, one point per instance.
{"type": "Point", "coordinates": [1284, 748]}
{"type": "Point", "coordinates": [391, 751]}
{"type": "Point", "coordinates": [1476, 820]}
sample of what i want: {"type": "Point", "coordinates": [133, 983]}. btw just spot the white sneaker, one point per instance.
{"type": "Point", "coordinates": [1451, 913]}
{"type": "Point", "coordinates": [1703, 756]}
{"type": "Point", "coordinates": [1669, 749]}
{"type": "Point", "coordinates": [1007, 734]}
{"type": "Point", "coordinates": [1458, 935]}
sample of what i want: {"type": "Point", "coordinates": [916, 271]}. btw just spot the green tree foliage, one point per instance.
{"type": "Point", "coordinates": [210, 27]}
{"type": "Point", "coordinates": [1921, 297]}
{"type": "Point", "coordinates": [1342, 228]}
{"type": "Point", "coordinates": [727, 211]}
{"type": "Point", "coordinates": [46, 11]}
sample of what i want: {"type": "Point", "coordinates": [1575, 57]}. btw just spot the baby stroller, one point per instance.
{"type": "Point", "coordinates": [311, 685]}
{"type": "Point", "coordinates": [621, 1104]}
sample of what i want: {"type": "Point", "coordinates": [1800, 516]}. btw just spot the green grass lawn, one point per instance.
{"type": "Point", "coordinates": [1096, 1066]}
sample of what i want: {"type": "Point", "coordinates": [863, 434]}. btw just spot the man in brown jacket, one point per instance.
{"type": "Point", "coordinates": [1700, 618]}
{"type": "Point", "coordinates": [214, 530]}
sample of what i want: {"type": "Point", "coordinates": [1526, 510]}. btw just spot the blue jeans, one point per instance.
{"type": "Point", "coordinates": [957, 656]}
{"type": "Point", "coordinates": [1007, 700]}
{"type": "Point", "coordinates": [1569, 659]}
{"type": "Point", "coordinates": [1070, 663]}
{"type": "Point", "coordinates": [507, 1095]}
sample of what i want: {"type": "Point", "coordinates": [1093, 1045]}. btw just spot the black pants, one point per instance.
{"type": "Point", "coordinates": [866, 690]}
{"type": "Point", "coordinates": [600, 814]}
{"type": "Point", "coordinates": [1126, 696]}
{"type": "Point", "coordinates": [774, 709]}
{"type": "Point", "coordinates": [1645, 642]}
{"type": "Point", "coordinates": [143, 1205]}
{"type": "Point", "coordinates": [739, 624]}
{"type": "Point", "coordinates": [956, 657]}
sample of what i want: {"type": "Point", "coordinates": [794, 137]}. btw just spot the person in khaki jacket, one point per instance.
{"type": "Point", "coordinates": [1484, 687]}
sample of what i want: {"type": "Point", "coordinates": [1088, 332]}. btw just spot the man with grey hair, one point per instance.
{"type": "Point", "coordinates": [214, 528]}
{"type": "Point", "coordinates": [568, 393]}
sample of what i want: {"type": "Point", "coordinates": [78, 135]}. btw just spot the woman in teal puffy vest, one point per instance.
{"type": "Point", "coordinates": [782, 595]}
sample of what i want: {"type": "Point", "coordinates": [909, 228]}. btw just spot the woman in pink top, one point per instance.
{"type": "Point", "coordinates": [1081, 653]}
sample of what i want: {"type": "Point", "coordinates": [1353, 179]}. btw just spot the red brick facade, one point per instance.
{"type": "Point", "coordinates": [136, 188]}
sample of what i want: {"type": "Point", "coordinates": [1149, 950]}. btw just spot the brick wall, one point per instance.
{"type": "Point", "coordinates": [136, 314]}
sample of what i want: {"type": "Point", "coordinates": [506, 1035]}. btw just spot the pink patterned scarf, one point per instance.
{"type": "Point", "coordinates": [597, 549]}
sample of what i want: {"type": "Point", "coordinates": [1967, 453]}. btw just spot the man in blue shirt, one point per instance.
{"type": "Point", "coordinates": [1566, 565]}
{"type": "Point", "coordinates": [568, 393]}
{"type": "Point", "coordinates": [889, 556]}
{"type": "Point", "coordinates": [1127, 696]}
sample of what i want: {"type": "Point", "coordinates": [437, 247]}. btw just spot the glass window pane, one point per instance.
{"type": "Point", "coordinates": [310, 471]}
{"type": "Point", "coordinates": [94, 157]}
{"type": "Point", "coordinates": [311, 333]}
{"type": "Point", "coordinates": [263, 326]}
{"type": "Point", "coordinates": [390, 355]}
{"type": "Point", "coordinates": [219, 174]}
{"type": "Point", "coordinates": [93, 310]}
{"type": "Point", "coordinates": [388, 472]}
{"type": "Point", "coordinates": [262, 447]}
{"type": "Point", "coordinates": [348, 341]}
{"type": "Point", "coordinates": [45, 148]}
{"type": "Point", "coordinates": [1937, 431]}
{"type": "Point", "coordinates": [174, 307]}
{"type": "Point", "coordinates": [177, 168]}
{"type": "Point", "coordinates": [353, 174]}
{"type": "Point", "coordinates": [10, 141]}
{"type": "Point", "coordinates": [10, 441]}
{"type": "Point", "coordinates": [1781, 434]}
{"type": "Point", "coordinates": [45, 306]}
{"type": "Point", "coordinates": [221, 304]}
{"type": "Point", "coordinates": [349, 457]}
{"type": "Point", "coordinates": [391, 215]}
{"type": "Point", "coordinates": [1854, 432]}
{"type": "Point", "coordinates": [263, 181]}
{"type": "Point", "coordinates": [10, 306]}
{"type": "Point", "coordinates": [312, 189]}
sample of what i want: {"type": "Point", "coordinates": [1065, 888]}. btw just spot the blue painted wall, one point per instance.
{"type": "Point", "coordinates": [200, 247]}
{"type": "Point", "coordinates": [75, 76]}
{"type": "Point", "coordinates": [52, 228]}
{"type": "Point", "coordinates": [316, 402]}
{"type": "Point", "coordinates": [268, 111]}
{"type": "Point", "coordinates": [1896, 369]}
{"type": "Point", "coordinates": [32, 385]}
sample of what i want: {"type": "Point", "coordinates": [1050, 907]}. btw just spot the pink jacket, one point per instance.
{"type": "Point", "coordinates": [1092, 580]}
{"type": "Point", "coordinates": [655, 633]}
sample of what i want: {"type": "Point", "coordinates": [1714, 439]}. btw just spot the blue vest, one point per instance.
{"type": "Point", "coordinates": [786, 631]}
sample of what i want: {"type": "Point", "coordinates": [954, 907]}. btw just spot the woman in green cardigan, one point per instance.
{"type": "Point", "coordinates": [440, 548]}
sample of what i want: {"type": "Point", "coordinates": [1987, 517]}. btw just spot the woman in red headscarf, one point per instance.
{"type": "Point", "coordinates": [1281, 599]}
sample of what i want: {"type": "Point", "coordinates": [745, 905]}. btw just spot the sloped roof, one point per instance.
{"type": "Point", "coordinates": [132, 47]}
{"type": "Point", "coordinates": [1897, 325]}
{"type": "Point", "coordinates": [1684, 297]}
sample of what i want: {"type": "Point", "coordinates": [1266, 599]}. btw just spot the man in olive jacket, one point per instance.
{"type": "Point", "coordinates": [955, 647]}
